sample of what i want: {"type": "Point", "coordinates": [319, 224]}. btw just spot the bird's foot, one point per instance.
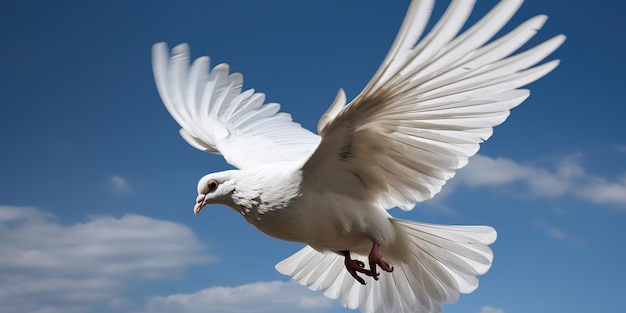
{"type": "Point", "coordinates": [354, 266]}
{"type": "Point", "coordinates": [376, 259]}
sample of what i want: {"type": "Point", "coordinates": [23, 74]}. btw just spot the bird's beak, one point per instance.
{"type": "Point", "coordinates": [199, 204]}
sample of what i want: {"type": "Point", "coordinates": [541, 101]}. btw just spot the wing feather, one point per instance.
{"type": "Point", "coordinates": [216, 116]}
{"type": "Point", "coordinates": [430, 104]}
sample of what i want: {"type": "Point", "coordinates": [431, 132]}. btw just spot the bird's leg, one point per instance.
{"type": "Point", "coordinates": [354, 266]}
{"type": "Point", "coordinates": [376, 259]}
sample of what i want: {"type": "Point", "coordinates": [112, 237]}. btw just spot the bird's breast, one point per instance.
{"type": "Point", "coordinates": [324, 221]}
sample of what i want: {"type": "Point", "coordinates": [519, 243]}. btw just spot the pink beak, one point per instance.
{"type": "Point", "coordinates": [199, 204]}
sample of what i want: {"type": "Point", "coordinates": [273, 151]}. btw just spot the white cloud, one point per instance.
{"type": "Point", "coordinates": [566, 177]}
{"type": "Point", "coordinates": [9, 214]}
{"type": "Point", "coordinates": [119, 184]}
{"type": "Point", "coordinates": [490, 309]}
{"type": "Point", "coordinates": [260, 297]}
{"type": "Point", "coordinates": [486, 171]}
{"type": "Point", "coordinates": [49, 267]}
{"type": "Point", "coordinates": [602, 191]}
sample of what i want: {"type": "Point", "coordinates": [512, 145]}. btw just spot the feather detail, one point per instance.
{"type": "Point", "coordinates": [433, 264]}
{"type": "Point", "coordinates": [430, 104]}
{"type": "Point", "coordinates": [216, 116]}
{"type": "Point", "coordinates": [333, 110]}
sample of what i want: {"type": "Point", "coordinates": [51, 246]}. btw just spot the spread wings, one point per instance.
{"type": "Point", "coordinates": [216, 116]}
{"type": "Point", "coordinates": [429, 106]}
{"type": "Point", "coordinates": [423, 114]}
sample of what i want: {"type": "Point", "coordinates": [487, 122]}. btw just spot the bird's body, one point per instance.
{"type": "Point", "coordinates": [272, 196]}
{"type": "Point", "coordinates": [432, 102]}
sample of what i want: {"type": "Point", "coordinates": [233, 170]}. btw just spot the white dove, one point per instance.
{"type": "Point", "coordinates": [423, 114]}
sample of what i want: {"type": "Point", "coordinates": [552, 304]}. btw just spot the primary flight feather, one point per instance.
{"type": "Point", "coordinates": [423, 114]}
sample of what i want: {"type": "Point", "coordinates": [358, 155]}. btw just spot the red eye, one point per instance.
{"type": "Point", "coordinates": [213, 185]}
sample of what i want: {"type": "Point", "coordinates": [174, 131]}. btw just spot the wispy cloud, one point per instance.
{"type": "Point", "coordinates": [556, 233]}
{"type": "Point", "coordinates": [552, 231]}
{"type": "Point", "coordinates": [490, 309]}
{"type": "Point", "coordinates": [620, 148]}
{"type": "Point", "coordinates": [602, 191]}
{"type": "Point", "coordinates": [10, 214]}
{"type": "Point", "coordinates": [566, 177]}
{"type": "Point", "coordinates": [47, 266]}
{"type": "Point", "coordinates": [260, 297]}
{"type": "Point", "coordinates": [119, 184]}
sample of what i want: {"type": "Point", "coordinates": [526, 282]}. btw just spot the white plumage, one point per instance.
{"type": "Point", "coordinates": [422, 115]}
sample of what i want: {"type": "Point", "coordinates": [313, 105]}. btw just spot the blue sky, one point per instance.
{"type": "Point", "coordinates": [98, 187]}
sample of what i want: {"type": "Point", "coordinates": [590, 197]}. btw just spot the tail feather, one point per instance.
{"type": "Point", "coordinates": [454, 255]}
{"type": "Point", "coordinates": [433, 265]}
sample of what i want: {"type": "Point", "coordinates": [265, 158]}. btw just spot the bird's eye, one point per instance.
{"type": "Point", "coordinates": [213, 185]}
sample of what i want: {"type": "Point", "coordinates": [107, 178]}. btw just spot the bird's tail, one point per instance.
{"type": "Point", "coordinates": [432, 265]}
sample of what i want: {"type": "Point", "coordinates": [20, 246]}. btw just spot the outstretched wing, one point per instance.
{"type": "Point", "coordinates": [429, 106]}
{"type": "Point", "coordinates": [216, 116]}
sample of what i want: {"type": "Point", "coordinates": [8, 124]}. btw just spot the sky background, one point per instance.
{"type": "Point", "coordinates": [97, 188]}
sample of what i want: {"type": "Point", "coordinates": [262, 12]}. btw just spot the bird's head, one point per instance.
{"type": "Point", "coordinates": [215, 188]}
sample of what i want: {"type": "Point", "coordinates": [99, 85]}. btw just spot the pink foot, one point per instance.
{"type": "Point", "coordinates": [354, 266]}
{"type": "Point", "coordinates": [376, 259]}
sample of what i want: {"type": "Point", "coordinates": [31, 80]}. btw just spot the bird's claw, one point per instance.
{"type": "Point", "coordinates": [378, 260]}
{"type": "Point", "coordinates": [354, 266]}
{"type": "Point", "coordinates": [374, 259]}
{"type": "Point", "coordinates": [358, 263]}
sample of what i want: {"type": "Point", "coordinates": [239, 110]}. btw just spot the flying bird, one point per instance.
{"type": "Point", "coordinates": [423, 114]}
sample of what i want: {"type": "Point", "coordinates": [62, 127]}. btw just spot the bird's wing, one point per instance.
{"type": "Point", "coordinates": [216, 116]}
{"type": "Point", "coordinates": [429, 106]}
